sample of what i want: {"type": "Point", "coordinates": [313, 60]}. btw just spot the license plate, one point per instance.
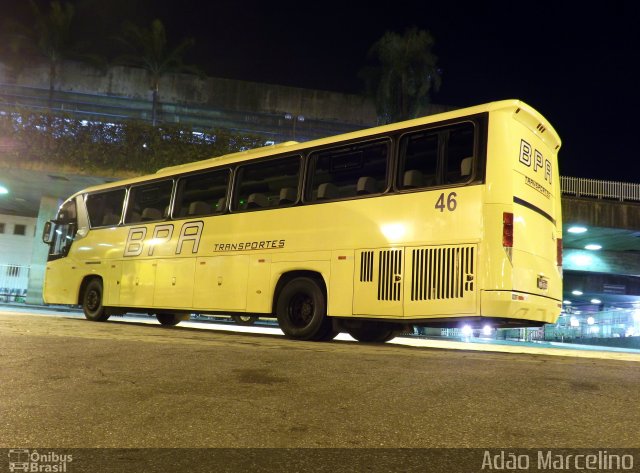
{"type": "Point", "coordinates": [543, 283]}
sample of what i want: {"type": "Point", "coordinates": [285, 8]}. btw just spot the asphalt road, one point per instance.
{"type": "Point", "coordinates": [70, 383]}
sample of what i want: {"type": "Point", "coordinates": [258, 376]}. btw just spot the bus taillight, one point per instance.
{"type": "Point", "coordinates": [559, 252]}
{"type": "Point", "coordinates": [507, 229]}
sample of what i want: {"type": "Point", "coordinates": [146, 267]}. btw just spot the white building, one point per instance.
{"type": "Point", "coordinates": [17, 236]}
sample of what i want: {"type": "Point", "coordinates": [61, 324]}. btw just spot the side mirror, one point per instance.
{"type": "Point", "coordinates": [47, 233]}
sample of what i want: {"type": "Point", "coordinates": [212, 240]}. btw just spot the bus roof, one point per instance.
{"type": "Point", "coordinates": [525, 114]}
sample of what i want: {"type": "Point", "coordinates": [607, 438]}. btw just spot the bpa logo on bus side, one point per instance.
{"type": "Point", "coordinates": [530, 156]}
{"type": "Point", "coordinates": [162, 233]}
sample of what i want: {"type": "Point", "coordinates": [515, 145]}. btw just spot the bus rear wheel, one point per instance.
{"type": "Point", "coordinates": [169, 319]}
{"type": "Point", "coordinates": [92, 302]}
{"type": "Point", "coordinates": [244, 319]}
{"type": "Point", "coordinates": [301, 310]}
{"type": "Point", "coordinates": [373, 332]}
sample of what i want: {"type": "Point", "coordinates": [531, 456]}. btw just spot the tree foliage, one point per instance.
{"type": "Point", "coordinates": [148, 48]}
{"type": "Point", "coordinates": [129, 147]}
{"type": "Point", "coordinates": [403, 75]}
{"type": "Point", "coordinates": [48, 35]}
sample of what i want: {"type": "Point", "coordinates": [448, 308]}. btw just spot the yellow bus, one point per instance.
{"type": "Point", "coordinates": [442, 220]}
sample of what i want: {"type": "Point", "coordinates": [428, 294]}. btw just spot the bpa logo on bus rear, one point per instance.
{"type": "Point", "coordinates": [532, 157]}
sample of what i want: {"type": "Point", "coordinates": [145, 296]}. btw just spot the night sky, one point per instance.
{"type": "Point", "coordinates": [575, 65]}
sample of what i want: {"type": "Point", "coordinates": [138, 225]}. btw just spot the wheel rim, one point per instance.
{"type": "Point", "coordinates": [93, 300]}
{"type": "Point", "coordinates": [301, 309]}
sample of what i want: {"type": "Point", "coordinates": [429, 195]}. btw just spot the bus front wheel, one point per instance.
{"type": "Point", "coordinates": [301, 310]}
{"type": "Point", "coordinates": [92, 302]}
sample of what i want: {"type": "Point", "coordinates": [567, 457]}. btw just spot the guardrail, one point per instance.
{"type": "Point", "coordinates": [14, 280]}
{"type": "Point", "coordinates": [580, 187]}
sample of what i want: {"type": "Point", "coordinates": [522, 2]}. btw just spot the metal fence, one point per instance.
{"type": "Point", "coordinates": [580, 187]}
{"type": "Point", "coordinates": [14, 280]}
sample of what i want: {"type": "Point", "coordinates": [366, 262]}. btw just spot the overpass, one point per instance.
{"type": "Point", "coordinates": [601, 238]}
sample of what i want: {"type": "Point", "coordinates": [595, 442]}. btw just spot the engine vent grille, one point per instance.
{"type": "Point", "coordinates": [389, 275]}
{"type": "Point", "coordinates": [366, 266]}
{"type": "Point", "coordinates": [442, 272]}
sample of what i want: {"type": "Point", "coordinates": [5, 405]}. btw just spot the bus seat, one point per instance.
{"type": "Point", "coordinates": [366, 185]}
{"type": "Point", "coordinates": [110, 218]}
{"type": "Point", "coordinates": [412, 178]}
{"type": "Point", "coordinates": [257, 201]}
{"type": "Point", "coordinates": [151, 213]}
{"type": "Point", "coordinates": [288, 195]}
{"type": "Point", "coordinates": [133, 217]}
{"type": "Point", "coordinates": [327, 191]}
{"type": "Point", "coordinates": [220, 205]}
{"type": "Point", "coordinates": [465, 167]}
{"type": "Point", "coordinates": [198, 207]}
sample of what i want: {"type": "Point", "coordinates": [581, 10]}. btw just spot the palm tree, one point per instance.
{"type": "Point", "coordinates": [50, 36]}
{"type": "Point", "coordinates": [404, 76]}
{"type": "Point", "coordinates": [147, 48]}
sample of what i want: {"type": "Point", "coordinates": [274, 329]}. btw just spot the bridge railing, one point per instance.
{"type": "Point", "coordinates": [581, 187]}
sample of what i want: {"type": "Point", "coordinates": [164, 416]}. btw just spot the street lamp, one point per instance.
{"type": "Point", "coordinates": [295, 119]}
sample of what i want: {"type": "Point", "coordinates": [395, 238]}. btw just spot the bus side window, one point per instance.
{"type": "Point", "coordinates": [105, 208]}
{"type": "Point", "coordinates": [356, 170]}
{"type": "Point", "coordinates": [202, 194]}
{"type": "Point", "coordinates": [148, 202]}
{"type": "Point", "coordinates": [459, 153]}
{"type": "Point", "coordinates": [438, 156]}
{"type": "Point", "coordinates": [267, 184]}
{"type": "Point", "coordinates": [418, 160]}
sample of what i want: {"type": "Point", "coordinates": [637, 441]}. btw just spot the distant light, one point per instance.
{"type": "Point", "coordinates": [566, 302]}
{"type": "Point", "coordinates": [486, 330]}
{"type": "Point", "coordinates": [574, 322]}
{"type": "Point", "coordinates": [577, 229]}
{"type": "Point", "coordinates": [596, 301]}
{"type": "Point", "coordinates": [3, 190]}
{"type": "Point", "coordinates": [576, 293]}
{"type": "Point", "coordinates": [466, 330]}
{"type": "Point", "coordinates": [636, 315]}
{"type": "Point", "coordinates": [591, 320]}
{"type": "Point", "coordinates": [593, 247]}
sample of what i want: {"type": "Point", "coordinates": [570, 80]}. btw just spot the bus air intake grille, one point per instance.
{"type": "Point", "coordinates": [366, 266]}
{"type": "Point", "coordinates": [389, 275]}
{"type": "Point", "coordinates": [442, 272]}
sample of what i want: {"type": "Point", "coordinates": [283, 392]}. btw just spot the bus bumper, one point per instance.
{"type": "Point", "coordinates": [518, 305]}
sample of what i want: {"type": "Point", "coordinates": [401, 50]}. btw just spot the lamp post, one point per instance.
{"type": "Point", "coordinates": [295, 119]}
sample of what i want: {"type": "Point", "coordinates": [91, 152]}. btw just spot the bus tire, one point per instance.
{"type": "Point", "coordinates": [373, 332]}
{"type": "Point", "coordinates": [326, 335]}
{"type": "Point", "coordinates": [92, 301]}
{"type": "Point", "coordinates": [301, 309]}
{"type": "Point", "coordinates": [244, 319]}
{"type": "Point", "coordinates": [168, 320]}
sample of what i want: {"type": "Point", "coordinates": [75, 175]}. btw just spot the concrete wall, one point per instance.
{"type": "Point", "coordinates": [602, 213]}
{"type": "Point", "coordinates": [211, 92]}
